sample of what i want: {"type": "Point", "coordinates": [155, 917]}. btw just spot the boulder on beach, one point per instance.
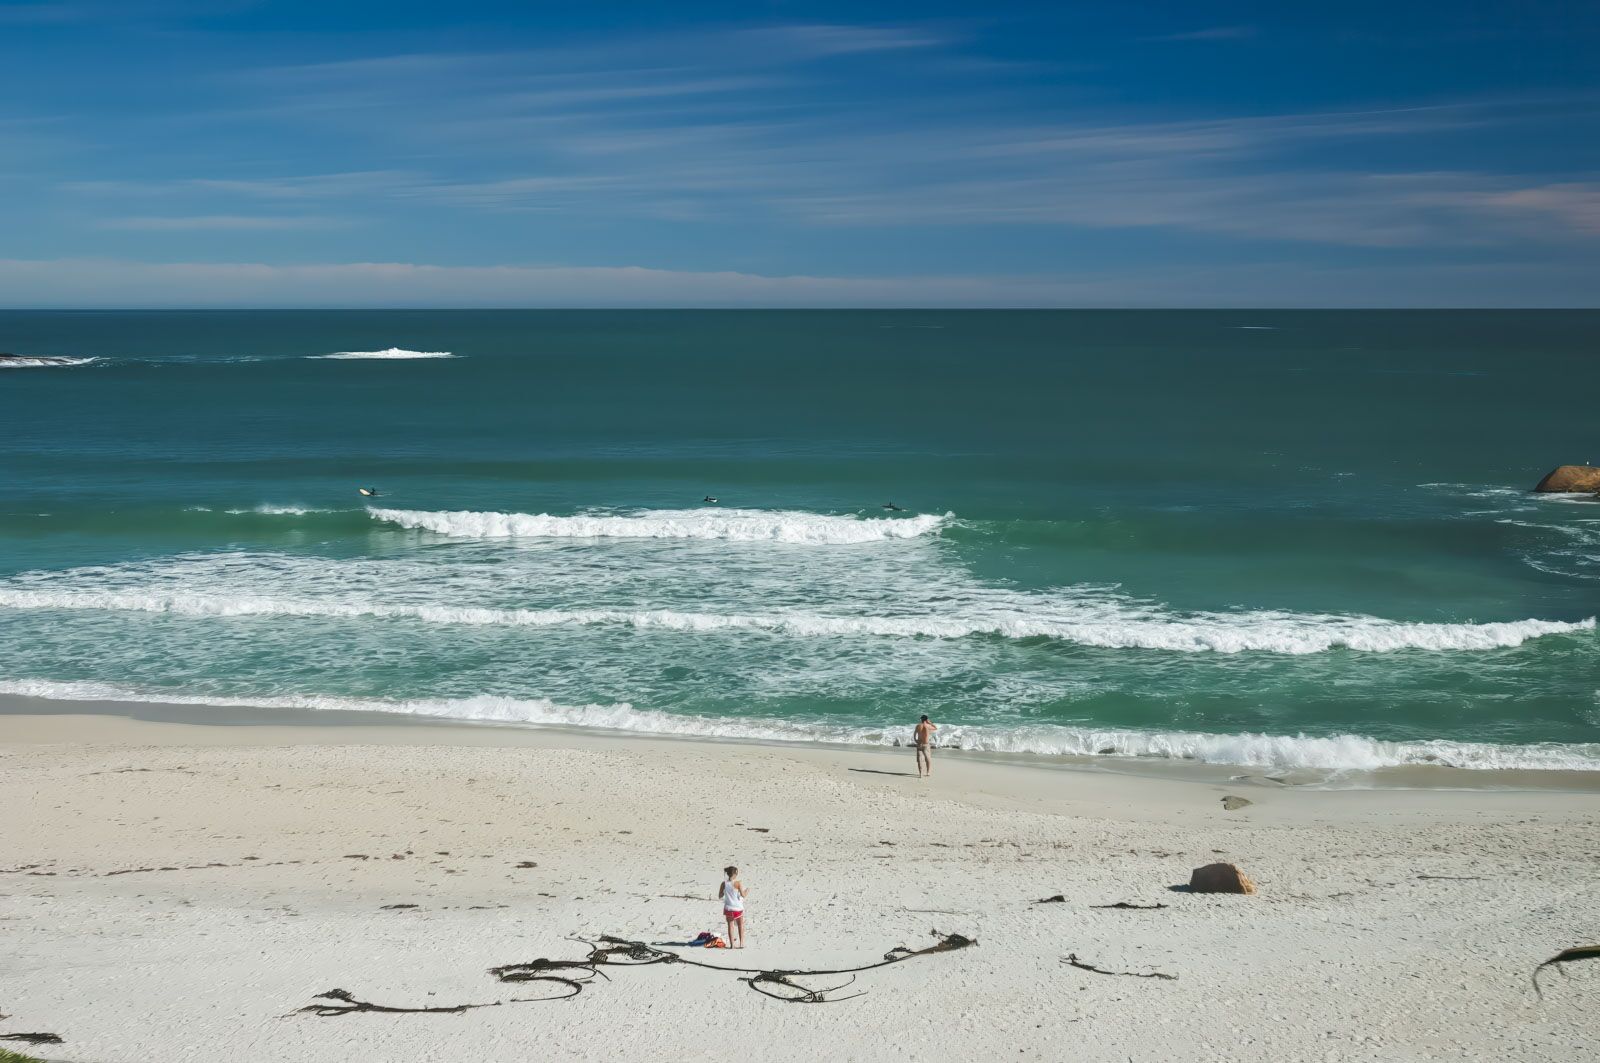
{"type": "Point", "coordinates": [1567, 479]}
{"type": "Point", "coordinates": [1220, 878]}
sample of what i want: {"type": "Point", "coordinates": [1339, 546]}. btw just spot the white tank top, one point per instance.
{"type": "Point", "coordinates": [730, 897]}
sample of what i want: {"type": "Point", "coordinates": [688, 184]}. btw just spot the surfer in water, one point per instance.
{"type": "Point", "coordinates": [710, 499]}
{"type": "Point", "coordinates": [370, 492]}
{"type": "Point", "coordinates": [892, 507]}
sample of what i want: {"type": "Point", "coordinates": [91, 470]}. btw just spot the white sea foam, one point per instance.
{"type": "Point", "coordinates": [392, 352]}
{"type": "Point", "coordinates": [1485, 491]}
{"type": "Point", "coordinates": [1571, 531]}
{"type": "Point", "coordinates": [43, 363]}
{"type": "Point", "coordinates": [1128, 628]}
{"type": "Point", "coordinates": [268, 510]}
{"type": "Point", "coordinates": [742, 525]}
{"type": "Point", "coordinates": [1334, 752]}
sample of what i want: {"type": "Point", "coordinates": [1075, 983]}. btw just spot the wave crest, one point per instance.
{"type": "Point", "coordinates": [739, 525]}
{"type": "Point", "coordinates": [21, 362]}
{"type": "Point", "coordinates": [1219, 633]}
{"type": "Point", "coordinates": [392, 352]}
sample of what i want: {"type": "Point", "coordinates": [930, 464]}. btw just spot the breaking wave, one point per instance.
{"type": "Point", "coordinates": [741, 525]}
{"type": "Point", "coordinates": [392, 352]}
{"type": "Point", "coordinates": [1344, 752]}
{"type": "Point", "coordinates": [272, 511]}
{"type": "Point", "coordinates": [43, 363]}
{"type": "Point", "coordinates": [1131, 627]}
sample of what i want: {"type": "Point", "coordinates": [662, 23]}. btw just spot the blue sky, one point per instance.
{"type": "Point", "coordinates": [188, 153]}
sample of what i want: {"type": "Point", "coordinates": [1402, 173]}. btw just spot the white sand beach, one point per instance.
{"type": "Point", "coordinates": [176, 892]}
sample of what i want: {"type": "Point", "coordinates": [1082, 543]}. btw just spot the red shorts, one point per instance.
{"type": "Point", "coordinates": [732, 916]}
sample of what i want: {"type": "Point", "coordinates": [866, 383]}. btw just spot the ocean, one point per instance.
{"type": "Point", "coordinates": [1282, 539]}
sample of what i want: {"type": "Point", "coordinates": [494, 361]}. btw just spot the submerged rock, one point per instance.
{"type": "Point", "coordinates": [1571, 478]}
{"type": "Point", "coordinates": [1220, 878]}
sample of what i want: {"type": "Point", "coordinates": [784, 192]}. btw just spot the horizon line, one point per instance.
{"type": "Point", "coordinates": [790, 309]}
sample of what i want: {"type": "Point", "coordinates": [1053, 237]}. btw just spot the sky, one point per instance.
{"type": "Point", "coordinates": [211, 153]}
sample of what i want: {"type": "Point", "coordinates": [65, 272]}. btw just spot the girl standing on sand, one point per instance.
{"type": "Point", "coordinates": [732, 893]}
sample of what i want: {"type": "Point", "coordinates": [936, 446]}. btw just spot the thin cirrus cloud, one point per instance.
{"type": "Point", "coordinates": [609, 130]}
{"type": "Point", "coordinates": [752, 48]}
{"type": "Point", "coordinates": [1571, 204]}
{"type": "Point", "coordinates": [1222, 177]}
{"type": "Point", "coordinates": [1216, 176]}
{"type": "Point", "coordinates": [814, 150]}
{"type": "Point", "coordinates": [70, 12]}
{"type": "Point", "coordinates": [130, 284]}
{"type": "Point", "coordinates": [217, 222]}
{"type": "Point", "coordinates": [1211, 33]}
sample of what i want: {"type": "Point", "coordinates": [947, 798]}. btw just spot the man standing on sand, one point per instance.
{"type": "Point", "coordinates": [924, 740]}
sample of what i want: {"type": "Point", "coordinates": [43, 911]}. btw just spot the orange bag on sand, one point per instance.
{"type": "Point", "coordinates": [716, 943]}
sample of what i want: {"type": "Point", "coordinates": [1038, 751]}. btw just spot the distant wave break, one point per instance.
{"type": "Point", "coordinates": [392, 352]}
{"type": "Point", "coordinates": [1282, 633]}
{"type": "Point", "coordinates": [1342, 752]}
{"type": "Point", "coordinates": [43, 363]}
{"type": "Point", "coordinates": [741, 525]}
{"type": "Point", "coordinates": [269, 510]}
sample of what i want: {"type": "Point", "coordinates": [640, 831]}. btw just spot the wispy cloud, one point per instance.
{"type": "Point", "coordinates": [738, 123]}
{"type": "Point", "coordinates": [806, 41]}
{"type": "Point", "coordinates": [217, 222]}
{"type": "Point", "coordinates": [790, 145]}
{"type": "Point", "coordinates": [45, 13]}
{"type": "Point", "coordinates": [357, 183]}
{"type": "Point", "coordinates": [1210, 33]}
{"type": "Point", "coordinates": [114, 283]}
{"type": "Point", "coordinates": [1234, 177]}
{"type": "Point", "coordinates": [1573, 204]}
{"type": "Point", "coordinates": [68, 12]}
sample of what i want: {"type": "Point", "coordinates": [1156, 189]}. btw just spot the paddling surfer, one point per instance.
{"type": "Point", "coordinates": [923, 736]}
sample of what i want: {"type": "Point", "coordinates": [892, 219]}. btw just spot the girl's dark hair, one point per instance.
{"type": "Point", "coordinates": [730, 871]}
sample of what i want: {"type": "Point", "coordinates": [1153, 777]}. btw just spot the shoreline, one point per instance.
{"type": "Point", "coordinates": [178, 891]}
{"type": "Point", "coordinates": [321, 725]}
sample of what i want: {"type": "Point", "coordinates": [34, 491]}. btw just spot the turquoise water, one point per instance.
{"type": "Point", "coordinates": [1246, 537]}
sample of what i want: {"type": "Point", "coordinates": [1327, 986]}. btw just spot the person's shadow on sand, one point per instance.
{"type": "Point", "coordinates": [879, 771]}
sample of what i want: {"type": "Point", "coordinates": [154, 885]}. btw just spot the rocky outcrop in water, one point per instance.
{"type": "Point", "coordinates": [1571, 478]}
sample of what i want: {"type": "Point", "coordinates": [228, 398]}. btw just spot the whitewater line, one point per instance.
{"type": "Point", "coordinates": [739, 525]}
{"type": "Point", "coordinates": [387, 353]}
{"type": "Point", "coordinates": [1218, 633]}
{"type": "Point", "coordinates": [1341, 752]}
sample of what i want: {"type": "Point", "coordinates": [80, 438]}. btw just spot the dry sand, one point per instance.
{"type": "Point", "coordinates": [174, 892]}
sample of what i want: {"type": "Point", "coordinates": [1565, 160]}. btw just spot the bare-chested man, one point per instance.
{"type": "Point", "coordinates": [923, 736]}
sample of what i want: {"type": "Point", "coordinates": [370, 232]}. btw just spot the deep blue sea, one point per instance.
{"type": "Point", "coordinates": [1293, 539]}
